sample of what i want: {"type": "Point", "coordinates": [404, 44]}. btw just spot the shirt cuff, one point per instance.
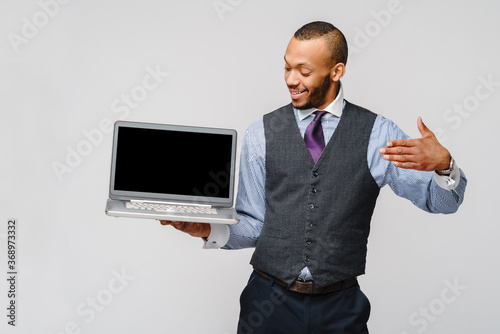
{"type": "Point", "coordinates": [219, 236]}
{"type": "Point", "coordinates": [448, 182]}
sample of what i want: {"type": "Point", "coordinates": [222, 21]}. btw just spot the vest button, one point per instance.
{"type": "Point", "coordinates": [308, 241]}
{"type": "Point", "coordinates": [307, 258]}
{"type": "Point", "coordinates": [314, 190]}
{"type": "Point", "coordinates": [311, 206]}
{"type": "Point", "coordinates": [310, 225]}
{"type": "Point", "coordinates": [315, 174]}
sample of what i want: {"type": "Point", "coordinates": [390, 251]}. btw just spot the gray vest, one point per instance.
{"type": "Point", "coordinates": [317, 215]}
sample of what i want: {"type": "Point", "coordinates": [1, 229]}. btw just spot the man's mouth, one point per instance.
{"type": "Point", "coordinates": [297, 93]}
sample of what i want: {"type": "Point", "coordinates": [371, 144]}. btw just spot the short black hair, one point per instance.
{"type": "Point", "coordinates": [335, 39]}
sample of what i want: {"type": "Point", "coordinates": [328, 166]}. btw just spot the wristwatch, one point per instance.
{"type": "Point", "coordinates": [448, 170]}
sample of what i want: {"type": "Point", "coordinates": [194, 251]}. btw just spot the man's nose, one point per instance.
{"type": "Point", "coordinates": [292, 79]}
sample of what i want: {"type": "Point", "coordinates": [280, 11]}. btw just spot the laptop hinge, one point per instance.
{"type": "Point", "coordinates": [171, 203]}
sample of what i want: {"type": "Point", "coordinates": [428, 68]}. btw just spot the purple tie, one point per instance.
{"type": "Point", "coordinates": [315, 141]}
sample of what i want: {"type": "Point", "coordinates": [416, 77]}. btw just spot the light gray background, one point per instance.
{"type": "Point", "coordinates": [226, 70]}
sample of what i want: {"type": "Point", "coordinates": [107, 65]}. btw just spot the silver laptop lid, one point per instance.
{"type": "Point", "coordinates": [173, 163]}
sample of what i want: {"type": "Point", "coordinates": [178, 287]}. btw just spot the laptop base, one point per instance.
{"type": "Point", "coordinates": [117, 208]}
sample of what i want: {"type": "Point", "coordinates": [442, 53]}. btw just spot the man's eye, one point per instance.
{"type": "Point", "coordinates": [306, 74]}
{"type": "Point", "coordinates": [287, 68]}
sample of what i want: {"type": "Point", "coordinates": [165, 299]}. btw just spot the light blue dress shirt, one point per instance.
{"type": "Point", "coordinates": [427, 190]}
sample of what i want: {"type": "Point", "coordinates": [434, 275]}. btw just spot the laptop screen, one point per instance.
{"type": "Point", "coordinates": [168, 162]}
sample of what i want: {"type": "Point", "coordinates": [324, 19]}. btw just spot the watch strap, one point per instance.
{"type": "Point", "coordinates": [448, 170]}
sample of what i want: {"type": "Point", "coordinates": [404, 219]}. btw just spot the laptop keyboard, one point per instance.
{"type": "Point", "coordinates": [170, 208]}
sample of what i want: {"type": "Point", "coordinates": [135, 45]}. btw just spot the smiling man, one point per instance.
{"type": "Point", "coordinates": [310, 174]}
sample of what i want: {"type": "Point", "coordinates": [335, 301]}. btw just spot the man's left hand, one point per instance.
{"type": "Point", "coordinates": [425, 153]}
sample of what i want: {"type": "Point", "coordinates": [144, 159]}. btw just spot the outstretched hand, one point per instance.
{"type": "Point", "coordinates": [193, 229]}
{"type": "Point", "coordinates": [425, 153]}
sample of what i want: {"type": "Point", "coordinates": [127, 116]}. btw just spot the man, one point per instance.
{"type": "Point", "coordinates": [310, 175]}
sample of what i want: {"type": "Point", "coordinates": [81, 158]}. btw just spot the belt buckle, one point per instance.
{"type": "Point", "coordinates": [301, 286]}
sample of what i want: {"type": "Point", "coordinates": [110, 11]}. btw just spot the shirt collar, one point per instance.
{"type": "Point", "coordinates": [333, 109]}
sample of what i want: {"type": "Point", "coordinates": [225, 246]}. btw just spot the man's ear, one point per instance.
{"type": "Point", "coordinates": [337, 72]}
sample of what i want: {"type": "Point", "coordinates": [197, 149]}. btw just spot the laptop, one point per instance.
{"type": "Point", "coordinates": [172, 172]}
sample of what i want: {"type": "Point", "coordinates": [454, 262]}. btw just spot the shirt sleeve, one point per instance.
{"type": "Point", "coordinates": [450, 182]}
{"type": "Point", "coordinates": [219, 235]}
{"type": "Point", "coordinates": [250, 200]}
{"type": "Point", "coordinates": [427, 190]}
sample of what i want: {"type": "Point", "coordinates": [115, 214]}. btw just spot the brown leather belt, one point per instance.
{"type": "Point", "coordinates": [301, 286]}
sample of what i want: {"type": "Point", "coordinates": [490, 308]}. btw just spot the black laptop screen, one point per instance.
{"type": "Point", "coordinates": [173, 162]}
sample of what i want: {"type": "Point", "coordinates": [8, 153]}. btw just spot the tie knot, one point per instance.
{"type": "Point", "coordinates": [319, 114]}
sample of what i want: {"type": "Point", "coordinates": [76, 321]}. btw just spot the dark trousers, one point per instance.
{"type": "Point", "coordinates": [267, 307]}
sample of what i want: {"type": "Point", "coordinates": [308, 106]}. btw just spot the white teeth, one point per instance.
{"type": "Point", "coordinates": [295, 93]}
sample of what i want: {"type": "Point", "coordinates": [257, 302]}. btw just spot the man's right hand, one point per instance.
{"type": "Point", "coordinates": [193, 229]}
